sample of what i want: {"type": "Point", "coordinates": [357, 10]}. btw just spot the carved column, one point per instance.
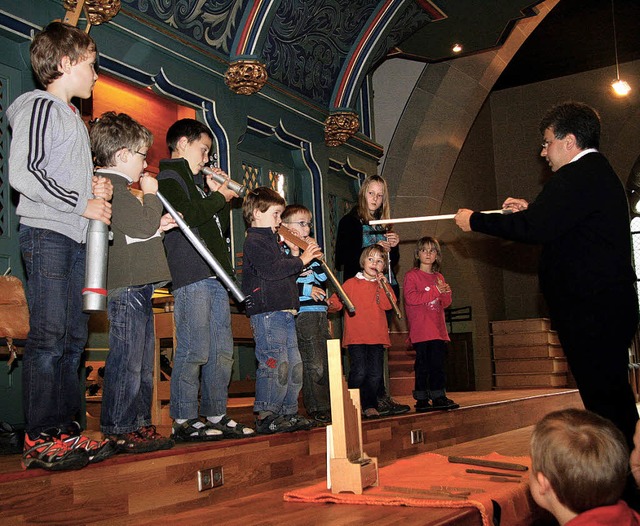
{"type": "Point", "coordinates": [246, 77]}
{"type": "Point", "coordinates": [339, 126]}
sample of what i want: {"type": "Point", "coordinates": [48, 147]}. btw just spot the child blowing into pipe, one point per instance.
{"type": "Point", "coordinates": [366, 333]}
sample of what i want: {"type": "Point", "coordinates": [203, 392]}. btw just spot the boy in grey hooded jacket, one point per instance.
{"type": "Point", "coordinates": [51, 168]}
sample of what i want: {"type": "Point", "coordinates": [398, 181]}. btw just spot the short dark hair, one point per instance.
{"type": "Point", "coordinates": [261, 198]}
{"type": "Point", "coordinates": [189, 128]}
{"type": "Point", "coordinates": [576, 118]}
{"type": "Point", "coordinates": [112, 132]}
{"type": "Point", "coordinates": [55, 41]}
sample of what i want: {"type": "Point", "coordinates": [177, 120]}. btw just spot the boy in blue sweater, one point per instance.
{"type": "Point", "coordinates": [312, 325]}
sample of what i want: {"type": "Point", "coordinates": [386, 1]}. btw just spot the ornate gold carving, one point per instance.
{"type": "Point", "coordinates": [246, 77]}
{"type": "Point", "coordinates": [98, 11]}
{"type": "Point", "coordinates": [339, 126]}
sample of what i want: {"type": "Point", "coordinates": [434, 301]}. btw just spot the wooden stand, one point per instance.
{"type": "Point", "coordinates": [350, 468]}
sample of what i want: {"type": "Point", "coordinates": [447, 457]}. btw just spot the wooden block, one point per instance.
{"type": "Point", "coordinates": [541, 365]}
{"type": "Point", "coordinates": [528, 325]}
{"type": "Point", "coordinates": [526, 338]}
{"type": "Point", "coordinates": [164, 324]}
{"type": "Point", "coordinates": [528, 351]}
{"type": "Point", "coordinates": [241, 328]}
{"type": "Point", "coordinates": [503, 381]}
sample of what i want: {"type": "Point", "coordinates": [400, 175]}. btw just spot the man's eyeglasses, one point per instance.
{"type": "Point", "coordinates": [144, 155]}
{"type": "Point", "coordinates": [299, 223]}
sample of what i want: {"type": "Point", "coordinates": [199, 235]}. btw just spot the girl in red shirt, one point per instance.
{"type": "Point", "coordinates": [366, 333]}
{"type": "Point", "coordinates": [426, 295]}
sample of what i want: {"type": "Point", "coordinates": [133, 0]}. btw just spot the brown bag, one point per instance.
{"type": "Point", "coordinates": [14, 313]}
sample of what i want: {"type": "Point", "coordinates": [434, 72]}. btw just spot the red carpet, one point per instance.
{"type": "Point", "coordinates": [429, 480]}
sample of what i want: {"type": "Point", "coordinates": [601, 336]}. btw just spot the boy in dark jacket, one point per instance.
{"type": "Point", "coordinates": [204, 353]}
{"type": "Point", "coordinates": [269, 280]}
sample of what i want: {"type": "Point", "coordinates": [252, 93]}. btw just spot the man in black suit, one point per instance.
{"type": "Point", "coordinates": [581, 218]}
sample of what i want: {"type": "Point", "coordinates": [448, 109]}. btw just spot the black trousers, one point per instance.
{"type": "Point", "coordinates": [429, 368]}
{"type": "Point", "coordinates": [595, 338]}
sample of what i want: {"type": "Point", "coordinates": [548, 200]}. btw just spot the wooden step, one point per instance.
{"type": "Point", "coordinates": [130, 488]}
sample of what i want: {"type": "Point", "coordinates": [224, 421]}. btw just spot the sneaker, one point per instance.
{"type": "Point", "coordinates": [98, 450]}
{"type": "Point", "coordinates": [193, 430]}
{"type": "Point", "coordinates": [274, 424]}
{"type": "Point", "coordinates": [322, 417]}
{"type": "Point", "coordinates": [150, 433]}
{"type": "Point", "coordinates": [143, 440]}
{"type": "Point", "coordinates": [371, 413]}
{"type": "Point", "coordinates": [300, 423]}
{"type": "Point", "coordinates": [11, 439]}
{"type": "Point", "coordinates": [387, 406]}
{"type": "Point", "coordinates": [230, 431]}
{"type": "Point", "coordinates": [133, 442]}
{"type": "Point", "coordinates": [51, 453]}
{"type": "Point", "coordinates": [444, 403]}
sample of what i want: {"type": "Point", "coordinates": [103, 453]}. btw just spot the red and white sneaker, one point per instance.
{"type": "Point", "coordinates": [98, 450]}
{"type": "Point", "coordinates": [51, 453]}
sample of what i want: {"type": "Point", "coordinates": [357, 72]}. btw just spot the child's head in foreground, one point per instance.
{"type": "Point", "coordinates": [580, 456]}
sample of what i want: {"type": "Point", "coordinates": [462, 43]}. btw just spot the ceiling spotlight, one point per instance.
{"type": "Point", "coordinates": [456, 48]}
{"type": "Point", "coordinates": [620, 87]}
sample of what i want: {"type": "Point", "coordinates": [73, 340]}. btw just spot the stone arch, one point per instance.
{"type": "Point", "coordinates": [429, 137]}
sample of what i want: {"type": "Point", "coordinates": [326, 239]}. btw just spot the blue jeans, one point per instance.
{"type": "Point", "coordinates": [279, 374]}
{"type": "Point", "coordinates": [429, 369]}
{"type": "Point", "coordinates": [128, 377]}
{"type": "Point", "coordinates": [204, 350]}
{"type": "Point", "coordinates": [58, 329]}
{"type": "Point", "coordinates": [365, 372]}
{"type": "Point", "coordinates": [312, 329]}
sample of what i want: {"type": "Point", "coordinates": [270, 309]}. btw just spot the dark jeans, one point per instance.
{"type": "Point", "coordinates": [312, 329]}
{"type": "Point", "coordinates": [128, 378]}
{"type": "Point", "coordinates": [429, 368]}
{"type": "Point", "coordinates": [365, 372]}
{"type": "Point", "coordinates": [58, 329]}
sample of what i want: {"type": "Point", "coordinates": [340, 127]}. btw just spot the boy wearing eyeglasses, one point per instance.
{"type": "Point", "coordinates": [120, 146]}
{"type": "Point", "coordinates": [312, 326]}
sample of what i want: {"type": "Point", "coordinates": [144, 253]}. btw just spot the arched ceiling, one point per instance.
{"type": "Point", "coordinates": [322, 50]}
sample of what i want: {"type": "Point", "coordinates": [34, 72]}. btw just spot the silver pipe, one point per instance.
{"type": "Point", "coordinates": [94, 293]}
{"type": "Point", "coordinates": [233, 186]}
{"type": "Point", "coordinates": [202, 249]}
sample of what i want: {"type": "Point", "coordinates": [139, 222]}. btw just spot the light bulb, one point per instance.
{"type": "Point", "coordinates": [620, 87]}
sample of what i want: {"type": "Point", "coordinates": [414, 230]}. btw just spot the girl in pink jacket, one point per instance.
{"type": "Point", "coordinates": [426, 295]}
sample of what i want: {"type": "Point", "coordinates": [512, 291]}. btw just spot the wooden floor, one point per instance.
{"type": "Point", "coordinates": [251, 510]}
{"type": "Point", "coordinates": [161, 486]}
